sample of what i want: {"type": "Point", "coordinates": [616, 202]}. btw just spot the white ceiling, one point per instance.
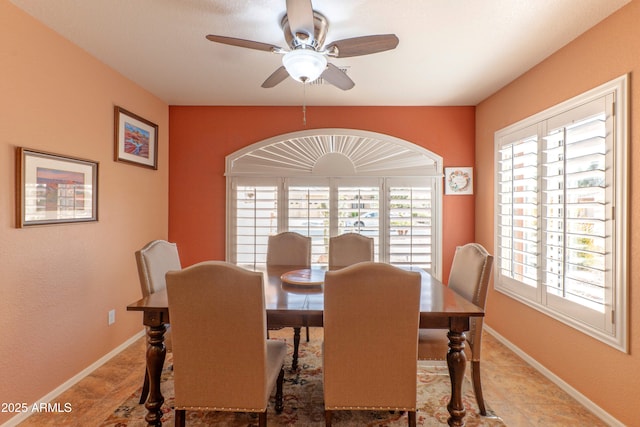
{"type": "Point", "coordinates": [451, 52]}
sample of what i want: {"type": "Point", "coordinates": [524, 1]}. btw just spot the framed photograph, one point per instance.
{"type": "Point", "coordinates": [54, 189]}
{"type": "Point", "coordinates": [458, 180]}
{"type": "Point", "coordinates": [136, 139]}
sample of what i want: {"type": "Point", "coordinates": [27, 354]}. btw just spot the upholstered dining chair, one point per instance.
{"type": "Point", "coordinates": [293, 250]}
{"type": "Point", "coordinates": [469, 277]}
{"type": "Point", "coordinates": [154, 260]}
{"type": "Point", "coordinates": [375, 369]}
{"type": "Point", "coordinates": [349, 248]}
{"type": "Point", "coordinates": [222, 359]}
{"type": "Point", "coordinates": [289, 249]}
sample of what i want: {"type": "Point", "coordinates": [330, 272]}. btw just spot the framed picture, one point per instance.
{"type": "Point", "coordinates": [136, 139]}
{"type": "Point", "coordinates": [53, 189]}
{"type": "Point", "coordinates": [458, 180]}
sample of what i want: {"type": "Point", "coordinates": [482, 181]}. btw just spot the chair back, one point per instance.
{"type": "Point", "coordinates": [371, 318]}
{"type": "Point", "coordinates": [218, 319]}
{"type": "Point", "coordinates": [348, 249]}
{"type": "Point", "coordinates": [289, 248]}
{"type": "Point", "coordinates": [469, 277]}
{"type": "Point", "coordinates": [154, 260]}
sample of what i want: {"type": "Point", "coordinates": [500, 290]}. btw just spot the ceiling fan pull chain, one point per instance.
{"type": "Point", "coordinates": [304, 104]}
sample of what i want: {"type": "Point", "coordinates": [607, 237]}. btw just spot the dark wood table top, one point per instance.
{"type": "Point", "coordinates": [438, 303]}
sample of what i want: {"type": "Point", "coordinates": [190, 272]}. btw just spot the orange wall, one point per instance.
{"type": "Point", "coordinates": [58, 282]}
{"type": "Point", "coordinates": [606, 376]}
{"type": "Point", "coordinates": [201, 137]}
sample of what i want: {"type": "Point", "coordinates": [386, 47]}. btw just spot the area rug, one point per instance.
{"type": "Point", "coordinates": [303, 398]}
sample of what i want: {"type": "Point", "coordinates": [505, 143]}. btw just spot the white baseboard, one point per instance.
{"type": "Point", "coordinates": [595, 409]}
{"type": "Point", "coordinates": [74, 380]}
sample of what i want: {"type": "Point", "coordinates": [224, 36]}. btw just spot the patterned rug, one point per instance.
{"type": "Point", "coordinates": [303, 398]}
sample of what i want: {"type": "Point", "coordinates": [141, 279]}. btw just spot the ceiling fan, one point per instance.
{"type": "Point", "coordinates": [306, 60]}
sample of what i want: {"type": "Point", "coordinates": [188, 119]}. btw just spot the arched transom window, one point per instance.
{"type": "Point", "coordinates": [326, 182]}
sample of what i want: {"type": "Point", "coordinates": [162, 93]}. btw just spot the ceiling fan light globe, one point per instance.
{"type": "Point", "coordinates": [304, 65]}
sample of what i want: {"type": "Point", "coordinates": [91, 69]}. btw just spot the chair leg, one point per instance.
{"type": "Point", "coordinates": [307, 334]}
{"type": "Point", "coordinates": [328, 415]}
{"type": "Point", "coordinates": [180, 417]}
{"type": "Point", "coordinates": [262, 419]}
{"type": "Point", "coordinates": [145, 388]}
{"type": "Point", "coordinates": [477, 386]}
{"type": "Point", "coordinates": [412, 418]}
{"type": "Point", "coordinates": [279, 397]}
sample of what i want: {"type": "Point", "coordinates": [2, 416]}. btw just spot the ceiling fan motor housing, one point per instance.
{"type": "Point", "coordinates": [320, 28]}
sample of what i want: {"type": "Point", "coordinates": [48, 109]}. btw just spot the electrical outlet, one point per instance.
{"type": "Point", "coordinates": [112, 317]}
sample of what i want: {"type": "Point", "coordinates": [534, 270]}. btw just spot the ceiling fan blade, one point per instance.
{"type": "Point", "coordinates": [364, 45]}
{"type": "Point", "coordinates": [244, 43]}
{"type": "Point", "coordinates": [276, 77]}
{"type": "Point", "coordinates": [300, 14]}
{"type": "Point", "coordinates": [337, 77]}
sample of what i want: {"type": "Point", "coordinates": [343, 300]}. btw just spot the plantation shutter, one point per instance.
{"type": "Point", "coordinates": [309, 215]}
{"type": "Point", "coordinates": [359, 212]}
{"type": "Point", "coordinates": [517, 223]}
{"type": "Point", "coordinates": [561, 229]}
{"type": "Point", "coordinates": [410, 232]}
{"type": "Point", "coordinates": [256, 219]}
{"type": "Point", "coordinates": [577, 202]}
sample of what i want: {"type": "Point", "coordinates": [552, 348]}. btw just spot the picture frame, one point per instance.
{"type": "Point", "coordinates": [458, 180]}
{"type": "Point", "coordinates": [136, 139]}
{"type": "Point", "coordinates": [54, 189]}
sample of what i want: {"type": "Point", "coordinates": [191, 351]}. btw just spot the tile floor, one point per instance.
{"type": "Point", "coordinates": [520, 395]}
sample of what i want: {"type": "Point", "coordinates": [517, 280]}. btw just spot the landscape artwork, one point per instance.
{"type": "Point", "coordinates": [52, 189]}
{"type": "Point", "coordinates": [136, 139]}
{"type": "Point", "coordinates": [62, 190]}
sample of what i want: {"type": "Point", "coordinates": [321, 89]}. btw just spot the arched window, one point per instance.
{"type": "Point", "coordinates": [326, 182]}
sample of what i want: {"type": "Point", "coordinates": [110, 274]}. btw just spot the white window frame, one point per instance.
{"type": "Point", "coordinates": [299, 159]}
{"type": "Point", "coordinates": [613, 324]}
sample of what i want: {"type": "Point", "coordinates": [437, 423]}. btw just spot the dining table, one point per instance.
{"type": "Point", "coordinates": [294, 303]}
